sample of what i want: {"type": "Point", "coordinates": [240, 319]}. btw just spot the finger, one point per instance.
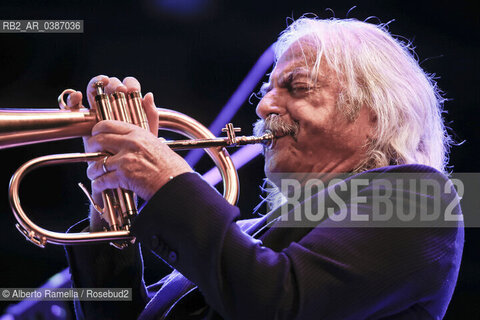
{"type": "Point", "coordinates": [115, 85]}
{"type": "Point", "coordinates": [74, 100]}
{"type": "Point", "coordinates": [113, 126]}
{"type": "Point", "coordinates": [91, 90]}
{"type": "Point", "coordinates": [113, 139]}
{"type": "Point", "coordinates": [105, 182]}
{"type": "Point", "coordinates": [86, 147]}
{"type": "Point", "coordinates": [92, 171]}
{"type": "Point", "coordinates": [100, 167]}
{"type": "Point", "coordinates": [105, 142]}
{"type": "Point", "coordinates": [132, 84]}
{"type": "Point", "coordinates": [151, 112]}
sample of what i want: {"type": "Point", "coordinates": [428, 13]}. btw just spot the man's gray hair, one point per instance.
{"type": "Point", "coordinates": [380, 72]}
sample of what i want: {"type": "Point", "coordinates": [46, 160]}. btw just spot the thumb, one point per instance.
{"type": "Point", "coordinates": [151, 112]}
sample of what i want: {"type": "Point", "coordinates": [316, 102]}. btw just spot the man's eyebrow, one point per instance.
{"type": "Point", "coordinates": [302, 72]}
{"type": "Point", "coordinates": [287, 76]}
{"type": "Point", "coordinates": [296, 72]}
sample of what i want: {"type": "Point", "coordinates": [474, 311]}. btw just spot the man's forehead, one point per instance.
{"type": "Point", "coordinates": [302, 50]}
{"type": "Point", "coordinates": [300, 59]}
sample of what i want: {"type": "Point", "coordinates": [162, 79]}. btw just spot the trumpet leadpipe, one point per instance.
{"type": "Point", "coordinates": [189, 144]}
{"type": "Point", "coordinates": [28, 126]}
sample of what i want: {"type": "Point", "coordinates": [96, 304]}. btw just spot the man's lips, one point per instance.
{"type": "Point", "coordinates": [277, 142]}
{"type": "Point", "coordinates": [278, 127]}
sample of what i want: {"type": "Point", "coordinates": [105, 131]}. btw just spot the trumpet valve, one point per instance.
{"type": "Point", "coordinates": [231, 135]}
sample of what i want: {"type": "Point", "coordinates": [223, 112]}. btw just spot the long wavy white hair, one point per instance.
{"type": "Point", "coordinates": [380, 72]}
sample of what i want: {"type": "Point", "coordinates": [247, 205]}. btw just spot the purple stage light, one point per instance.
{"type": "Point", "coordinates": [242, 93]}
{"type": "Point", "coordinates": [38, 309]}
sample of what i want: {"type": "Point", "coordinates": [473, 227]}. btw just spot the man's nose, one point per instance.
{"type": "Point", "coordinates": [270, 104]}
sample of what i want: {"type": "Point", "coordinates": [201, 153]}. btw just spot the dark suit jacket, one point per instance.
{"type": "Point", "coordinates": [326, 270]}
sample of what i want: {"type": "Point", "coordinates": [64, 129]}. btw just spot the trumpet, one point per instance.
{"type": "Point", "coordinates": [27, 126]}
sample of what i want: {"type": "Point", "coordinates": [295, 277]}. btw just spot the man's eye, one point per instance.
{"type": "Point", "coordinates": [298, 89]}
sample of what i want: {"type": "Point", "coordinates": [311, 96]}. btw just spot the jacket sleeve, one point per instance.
{"type": "Point", "coordinates": [327, 273]}
{"type": "Point", "coordinates": [103, 266]}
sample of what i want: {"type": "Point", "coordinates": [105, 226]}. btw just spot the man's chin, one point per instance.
{"type": "Point", "coordinates": [274, 171]}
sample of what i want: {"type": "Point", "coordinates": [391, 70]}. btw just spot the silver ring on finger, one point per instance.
{"type": "Point", "coordinates": [104, 165]}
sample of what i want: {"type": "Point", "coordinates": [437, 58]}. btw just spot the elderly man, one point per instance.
{"type": "Point", "coordinates": [343, 97]}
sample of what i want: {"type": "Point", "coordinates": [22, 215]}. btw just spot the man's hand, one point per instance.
{"type": "Point", "coordinates": [139, 162]}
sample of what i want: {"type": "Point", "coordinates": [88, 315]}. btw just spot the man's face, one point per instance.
{"type": "Point", "coordinates": [326, 140]}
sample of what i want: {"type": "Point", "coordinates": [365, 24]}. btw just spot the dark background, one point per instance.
{"type": "Point", "coordinates": [192, 55]}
